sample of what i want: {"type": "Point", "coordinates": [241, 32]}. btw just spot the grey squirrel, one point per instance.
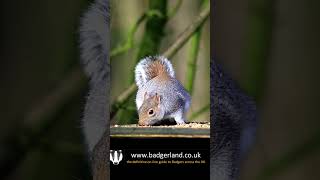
{"type": "Point", "coordinates": [160, 95]}
{"type": "Point", "coordinates": [233, 114]}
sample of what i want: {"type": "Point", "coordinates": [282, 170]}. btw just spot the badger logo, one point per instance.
{"type": "Point", "coordinates": [116, 156]}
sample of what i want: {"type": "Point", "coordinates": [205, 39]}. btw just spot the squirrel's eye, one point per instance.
{"type": "Point", "coordinates": [150, 112]}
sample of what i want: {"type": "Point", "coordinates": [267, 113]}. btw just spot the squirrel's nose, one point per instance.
{"type": "Point", "coordinates": [142, 123]}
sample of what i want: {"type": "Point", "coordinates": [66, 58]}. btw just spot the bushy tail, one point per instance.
{"type": "Point", "coordinates": [93, 40]}
{"type": "Point", "coordinates": [150, 67]}
{"type": "Point", "coordinates": [233, 124]}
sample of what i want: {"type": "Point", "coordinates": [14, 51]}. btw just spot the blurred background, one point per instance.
{"type": "Point", "coordinates": [43, 88]}
{"type": "Point", "coordinates": [272, 49]}
{"type": "Point", "coordinates": [158, 24]}
{"type": "Point", "coordinates": [42, 91]}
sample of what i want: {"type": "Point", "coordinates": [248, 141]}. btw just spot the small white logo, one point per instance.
{"type": "Point", "coordinates": [116, 156]}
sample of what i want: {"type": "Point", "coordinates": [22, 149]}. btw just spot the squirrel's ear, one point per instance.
{"type": "Point", "coordinates": [145, 96]}
{"type": "Point", "coordinates": [158, 98]}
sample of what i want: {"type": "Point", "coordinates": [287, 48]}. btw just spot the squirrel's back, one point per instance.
{"type": "Point", "coordinates": [171, 91]}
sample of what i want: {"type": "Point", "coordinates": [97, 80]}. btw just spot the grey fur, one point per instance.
{"type": "Point", "coordinates": [94, 45]}
{"type": "Point", "coordinates": [233, 125]}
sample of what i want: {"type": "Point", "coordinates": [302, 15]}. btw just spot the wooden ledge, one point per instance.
{"type": "Point", "coordinates": [190, 130]}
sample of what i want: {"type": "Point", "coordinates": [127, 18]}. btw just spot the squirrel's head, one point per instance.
{"type": "Point", "coordinates": [150, 111]}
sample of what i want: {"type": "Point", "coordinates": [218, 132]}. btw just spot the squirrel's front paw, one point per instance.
{"type": "Point", "coordinates": [179, 117]}
{"type": "Point", "coordinates": [180, 121]}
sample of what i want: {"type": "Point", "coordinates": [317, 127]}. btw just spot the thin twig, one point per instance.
{"type": "Point", "coordinates": [193, 56]}
{"type": "Point", "coordinates": [174, 10]}
{"type": "Point", "coordinates": [183, 38]}
{"type": "Point", "coordinates": [129, 43]}
{"type": "Point", "coordinates": [130, 40]}
{"type": "Point", "coordinates": [192, 62]}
